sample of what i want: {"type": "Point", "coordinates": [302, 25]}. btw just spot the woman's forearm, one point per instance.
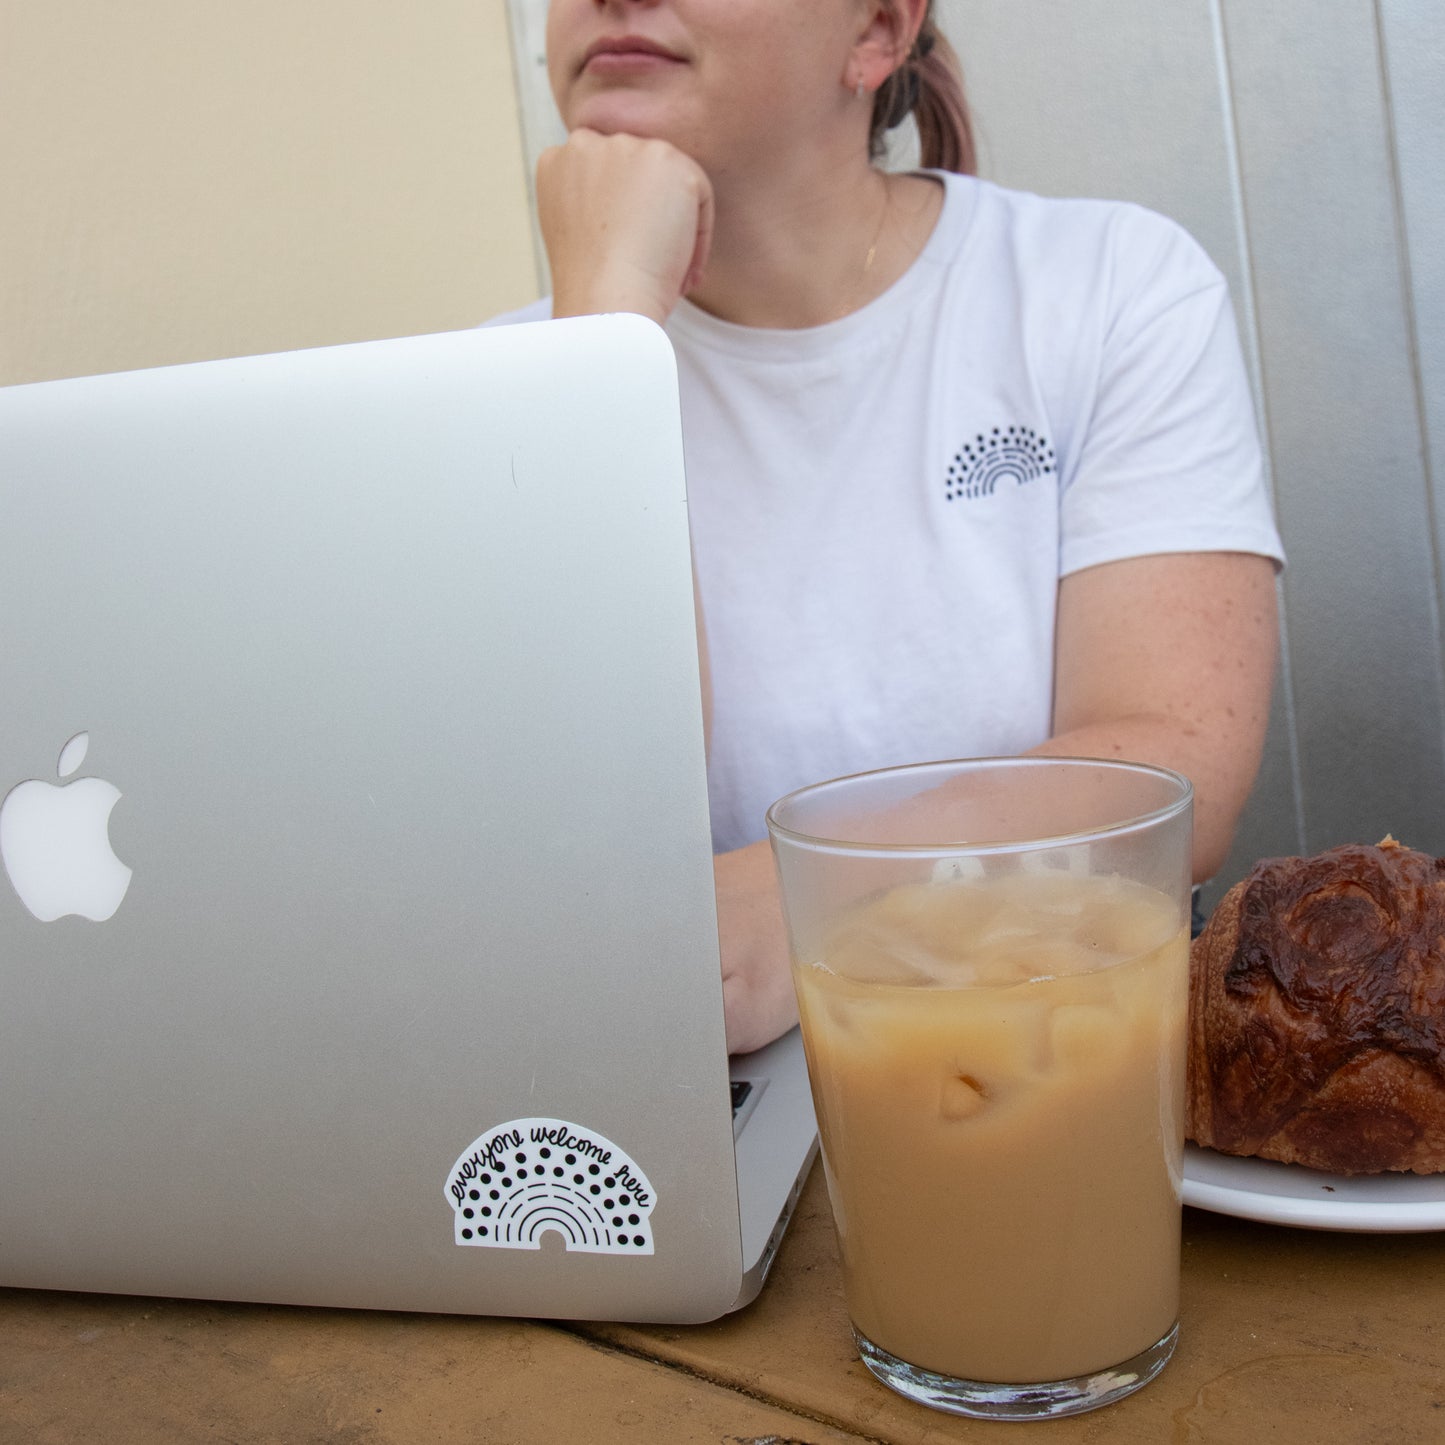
{"type": "Point", "coordinates": [1219, 791]}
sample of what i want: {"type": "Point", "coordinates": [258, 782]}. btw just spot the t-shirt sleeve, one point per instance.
{"type": "Point", "coordinates": [1169, 457]}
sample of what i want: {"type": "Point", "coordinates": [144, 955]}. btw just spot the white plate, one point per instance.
{"type": "Point", "coordinates": [1308, 1199]}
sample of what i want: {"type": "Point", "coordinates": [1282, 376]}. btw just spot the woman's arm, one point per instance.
{"type": "Point", "coordinates": [1170, 660]}
{"type": "Point", "coordinates": [1163, 659]}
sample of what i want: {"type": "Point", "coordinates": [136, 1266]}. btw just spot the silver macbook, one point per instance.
{"type": "Point", "coordinates": [357, 929]}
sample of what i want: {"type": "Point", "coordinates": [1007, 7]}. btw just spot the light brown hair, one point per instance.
{"type": "Point", "coordinates": [928, 85]}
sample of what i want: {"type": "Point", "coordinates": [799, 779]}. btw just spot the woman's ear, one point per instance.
{"type": "Point", "coordinates": [887, 35]}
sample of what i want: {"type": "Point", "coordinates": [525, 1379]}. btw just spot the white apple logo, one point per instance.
{"type": "Point", "coordinates": [55, 843]}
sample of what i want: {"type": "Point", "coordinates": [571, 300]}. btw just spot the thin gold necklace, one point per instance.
{"type": "Point", "coordinates": [878, 234]}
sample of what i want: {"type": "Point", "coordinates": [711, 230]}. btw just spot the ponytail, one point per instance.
{"type": "Point", "coordinates": [929, 87]}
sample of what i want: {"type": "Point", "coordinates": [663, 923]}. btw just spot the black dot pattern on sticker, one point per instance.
{"type": "Point", "coordinates": [1016, 454]}
{"type": "Point", "coordinates": [595, 1204]}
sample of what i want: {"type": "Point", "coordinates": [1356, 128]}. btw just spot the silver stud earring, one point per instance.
{"type": "Point", "coordinates": [858, 91]}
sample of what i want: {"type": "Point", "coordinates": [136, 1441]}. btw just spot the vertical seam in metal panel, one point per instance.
{"type": "Point", "coordinates": [1256, 355]}
{"type": "Point", "coordinates": [522, 35]}
{"type": "Point", "coordinates": [1412, 333]}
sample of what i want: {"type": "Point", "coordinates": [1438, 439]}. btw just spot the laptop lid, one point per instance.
{"type": "Point", "coordinates": [401, 989]}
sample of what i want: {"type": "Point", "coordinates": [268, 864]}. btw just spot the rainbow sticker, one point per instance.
{"type": "Point", "coordinates": [514, 1184]}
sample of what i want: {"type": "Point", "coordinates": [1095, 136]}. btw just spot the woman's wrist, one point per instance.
{"type": "Point", "coordinates": [617, 289]}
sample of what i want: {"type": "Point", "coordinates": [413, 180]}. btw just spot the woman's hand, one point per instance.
{"type": "Point", "coordinates": [758, 999]}
{"type": "Point", "coordinates": [627, 223]}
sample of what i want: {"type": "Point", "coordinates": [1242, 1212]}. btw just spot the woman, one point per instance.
{"type": "Point", "coordinates": [970, 472]}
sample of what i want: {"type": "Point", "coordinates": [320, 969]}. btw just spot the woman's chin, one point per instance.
{"type": "Point", "coordinates": [626, 113]}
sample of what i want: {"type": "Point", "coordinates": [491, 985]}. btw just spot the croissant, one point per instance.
{"type": "Point", "coordinates": [1317, 1014]}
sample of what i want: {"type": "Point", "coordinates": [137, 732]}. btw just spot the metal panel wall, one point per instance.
{"type": "Point", "coordinates": [1331, 267]}
{"type": "Point", "coordinates": [1414, 46]}
{"type": "Point", "coordinates": [1303, 142]}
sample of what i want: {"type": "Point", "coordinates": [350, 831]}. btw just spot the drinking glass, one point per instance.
{"type": "Point", "coordinates": [991, 963]}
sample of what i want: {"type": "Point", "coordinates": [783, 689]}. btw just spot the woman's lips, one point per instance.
{"type": "Point", "coordinates": [629, 56]}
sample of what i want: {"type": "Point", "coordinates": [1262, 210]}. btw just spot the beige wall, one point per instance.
{"type": "Point", "coordinates": [185, 179]}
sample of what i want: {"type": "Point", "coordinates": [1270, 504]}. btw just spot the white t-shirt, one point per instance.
{"type": "Point", "coordinates": [882, 507]}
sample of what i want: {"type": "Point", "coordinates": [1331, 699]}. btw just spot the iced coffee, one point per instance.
{"type": "Point", "coordinates": [991, 963]}
{"type": "Point", "coordinates": [997, 1074]}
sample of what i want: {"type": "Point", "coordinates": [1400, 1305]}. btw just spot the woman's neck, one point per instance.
{"type": "Point", "coordinates": [791, 255]}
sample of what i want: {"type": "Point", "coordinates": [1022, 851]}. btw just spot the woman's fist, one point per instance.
{"type": "Point", "coordinates": [627, 223]}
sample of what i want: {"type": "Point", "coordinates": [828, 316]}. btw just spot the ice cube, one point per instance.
{"type": "Point", "coordinates": [961, 1097]}
{"type": "Point", "coordinates": [1003, 1039]}
{"type": "Point", "coordinates": [1013, 920]}
{"type": "Point", "coordinates": [894, 950]}
{"type": "Point", "coordinates": [1084, 1034]}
